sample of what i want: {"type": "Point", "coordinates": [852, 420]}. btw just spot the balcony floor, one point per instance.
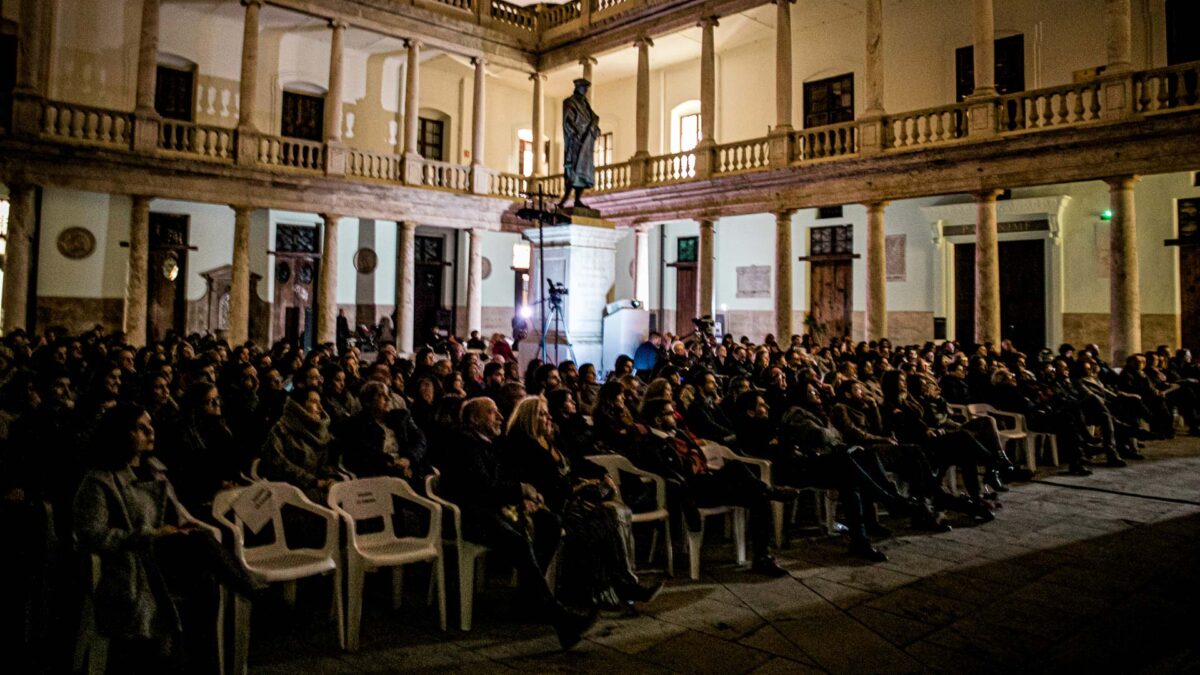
{"type": "Point", "coordinates": [1094, 572]}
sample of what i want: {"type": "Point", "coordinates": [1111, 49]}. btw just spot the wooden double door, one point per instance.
{"type": "Point", "coordinates": [297, 269]}
{"type": "Point", "coordinates": [832, 298]}
{"type": "Point", "coordinates": [166, 307]}
{"type": "Point", "coordinates": [1022, 293]}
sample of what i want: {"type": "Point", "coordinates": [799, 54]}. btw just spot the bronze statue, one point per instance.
{"type": "Point", "coordinates": [581, 126]}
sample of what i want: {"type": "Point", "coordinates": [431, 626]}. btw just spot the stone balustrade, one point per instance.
{"type": "Point", "coordinates": [197, 140]}
{"type": "Point", "coordinates": [1163, 89]}
{"type": "Point", "coordinates": [291, 153]}
{"type": "Point", "coordinates": [743, 156]}
{"type": "Point", "coordinates": [922, 128]}
{"type": "Point", "coordinates": [363, 164]}
{"type": "Point", "coordinates": [445, 175]}
{"type": "Point", "coordinates": [1050, 107]}
{"type": "Point", "coordinates": [553, 16]}
{"type": "Point", "coordinates": [834, 140]}
{"type": "Point", "coordinates": [87, 125]}
{"type": "Point", "coordinates": [514, 16]}
{"type": "Point", "coordinates": [671, 168]}
{"type": "Point", "coordinates": [1100, 102]}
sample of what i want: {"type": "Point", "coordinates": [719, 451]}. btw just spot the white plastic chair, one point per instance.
{"type": "Point", "coordinates": [274, 562]}
{"type": "Point", "coordinates": [365, 498]}
{"type": "Point", "coordinates": [1018, 433]}
{"type": "Point", "coordinates": [716, 454]}
{"type": "Point", "coordinates": [92, 648]}
{"type": "Point", "coordinates": [614, 465]}
{"type": "Point", "coordinates": [468, 554]}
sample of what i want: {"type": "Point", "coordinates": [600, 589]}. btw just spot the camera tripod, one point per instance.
{"type": "Point", "coordinates": [556, 317]}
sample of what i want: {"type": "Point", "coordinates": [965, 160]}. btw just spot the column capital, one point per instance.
{"type": "Point", "coordinates": [141, 200]}
{"type": "Point", "coordinates": [643, 41]}
{"type": "Point", "coordinates": [706, 21]}
{"type": "Point", "coordinates": [479, 60]}
{"type": "Point", "coordinates": [642, 228]}
{"type": "Point", "coordinates": [987, 195]}
{"type": "Point", "coordinates": [411, 43]}
{"type": "Point", "coordinates": [258, 3]}
{"type": "Point", "coordinates": [587, 61]}
{"type": "Point", "coordinates": [240, 209]}
{"type": "Point", "coordinates": [783, 214]}
{"type": "Point", "coordinates": [706, 221]}
{"type": "Point", "coordinates": [331, 218]}
{"type": "Point", "coordinates": [533, 77]}
{"type": "Point", "coordinates": [876, 204]}
{"type": "Point", "coordinates": [338, 24]}
{"type": "Point", "coordinates": [790, 2]}
{"type": "Point", "coordinates": [407, 225]}
{"type": "Point", "coordinates": [1122, 182]}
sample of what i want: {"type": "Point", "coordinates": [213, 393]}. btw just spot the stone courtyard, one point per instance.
{"type": "Point", "coordinates": [1074, 574]}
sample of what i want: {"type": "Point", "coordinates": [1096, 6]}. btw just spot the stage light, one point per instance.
{"type": "Point", "coordinates": [526, 311]}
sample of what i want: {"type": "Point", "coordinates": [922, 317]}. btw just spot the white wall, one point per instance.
{"type": "Point", "coordinates": [100, 275]}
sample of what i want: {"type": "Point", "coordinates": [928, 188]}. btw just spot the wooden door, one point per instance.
{"type": "Point", "coordinates": [832, 298]}
{"type": "Point", "coordinates": [166, 309]}
{"type": "Point", "coordinates": [428, 310]}
{"type": "Point", "coordinates": [687, 292]}
{"type": "Point", "coordinates": [1022, 293]}
{"type": "Point", "coordinates": [1189, 300]}
{"type": "Point", "coordinates": [296, 272]}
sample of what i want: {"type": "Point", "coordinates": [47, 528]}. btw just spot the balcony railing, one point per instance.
{"type": "Point", "coordinates": [553, 16]}
{"type": "Point", "coordinates": [196, 140]}
{"type": "Point", "coordinates": [1110, 100]}
{"type": "Point", "coordinates": [87, 125]}
{"type": "Point", "coordinates": [518, 17]}
{"type": "Point", "coordinates": [363, 164]}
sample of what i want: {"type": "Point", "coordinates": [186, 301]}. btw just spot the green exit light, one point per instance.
{"type": "Point", "coordinates": [1106, 214]}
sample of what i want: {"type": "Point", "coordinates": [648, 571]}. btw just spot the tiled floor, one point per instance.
{"type": "Point", "coordinates": [1075, 573]}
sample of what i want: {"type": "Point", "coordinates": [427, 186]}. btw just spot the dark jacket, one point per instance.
{"type": "Point", "coordinates": [706, 420]}
{"type": "Point", "coordinates": [859, 426]}
{"type": "Point", "coordinates": [533, 464]}
{"type": "Point", "coordinates": [361, 438]}
{"type": "Point", "coordinates": [473, 478]}
{"type": "Point", "coordinates": [955, 390]}
{"type": "Point", "coordinates": [809, 432]}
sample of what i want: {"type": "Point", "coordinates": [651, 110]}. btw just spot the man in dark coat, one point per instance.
{"type": "Point", "coordinates": [382, 441]}
{"type": "Point", "coordinates": [581, 126]}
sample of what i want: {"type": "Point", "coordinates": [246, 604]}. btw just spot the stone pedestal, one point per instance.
{"type": "Point", "coordinates": [336, 155]}
{"type": "Point", "coordinates": [582, 256]}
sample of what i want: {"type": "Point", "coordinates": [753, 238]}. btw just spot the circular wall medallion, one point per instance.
{"type": "Point", "coordinates": [76, 243]}
{"type": "Point", "coordinates": [486, 265]}
{"type": "Point", "coordinates": [365, 260]}
{"type": "Point", "coordinates": [305, 274]}
{"type": "Point", "coordinates": [283, 272]}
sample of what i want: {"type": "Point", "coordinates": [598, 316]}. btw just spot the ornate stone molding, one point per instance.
{"type": "Point", "coordinates": [1049, 209]}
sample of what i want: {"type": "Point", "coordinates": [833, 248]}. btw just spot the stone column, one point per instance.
{"type": "Point", "coordinates": [707, 255]}
{"type": "Point", "coordinates": [783, 276]}
{"type": "Point", "coordinates": [539, 125]}
{"type": "Point", "coordinates": [475, 282]}
{"type": "Point", "coordinates": [987, 270]}
{"type": "Point", "coordinates": [239, 289]}
{"type": "Point", "coordinates": [643, 98]}
{"type": "Point", "coordinates": [876, 315]}
{"type": "Point", "coordinates": [1125, 304]}
{"type": "Point", "coordinates": [708, 82]}
{"type": "Point", "coordinates": [30, 48]}
{"type": "Point", "coordinates": [22, 219]}
{"type": "Point", "coordinates": [137, 287]}
{"type": "Point", "coordinates": [587, 62]}
{"type": "Point", "coordinates": [406, 274]}
{"type": "Point", "coordinates": [641, 267]}
{"type": "Point", "coordinates": [249, 83]}
{"type": "Point", "coordinates": [1119, 34]}
{"type": "Point", "coordinates": [147, 70]}
{"type": "Point", "coordinates": [983, 24]}
{"type": "Point", "coordinates": [327, 307]}
{"type": "Point", "coordinates": [412, 98]}
{"type": "Point", "coordinates": [478, 112]}
{"type": "Point", "coordinates": [874, 59]}
{"type": "Point", "coordinates": [783, 66]}
{"type": "Point", "coordinates": [333, 100]}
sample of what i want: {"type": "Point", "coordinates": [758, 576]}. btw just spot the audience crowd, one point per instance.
{"type": "Point", "coordinates": [118, 451]}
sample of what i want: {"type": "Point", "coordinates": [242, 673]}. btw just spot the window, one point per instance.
{"type": "Point", "coordinates": [1182, 18]}
{"type": "Point", "coordinates": [173, 92]}
{"type": "Point", "coordinates": [429, 138]}
{"type": "Point", "coordinates": [824, 212]}
{"type": "Point", "coordinates": [1010, 67]}
{"type": "Point", "coordinates": [602, 154]}
{"type": "Point", "coordinates": [834, 240]}
{"type": "Point", "coordinates": [525, 152]}
{"type": "Point", "coordinates": [303, 116]}
{"type": "Point", "coordinates": [687, 249]}
{"type": "Point", "coordinates": [689, 132]}
{"type": "Point", "coordinates": [829, 101]}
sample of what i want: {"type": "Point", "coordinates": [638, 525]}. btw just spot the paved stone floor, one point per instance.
{"type": "Point", "coordinates": [1098, 572]}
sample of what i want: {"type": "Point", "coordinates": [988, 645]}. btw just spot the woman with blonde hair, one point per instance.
{"type": "Point", "coordinates": [597, 554]}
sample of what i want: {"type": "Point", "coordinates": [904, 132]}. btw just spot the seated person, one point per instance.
{"type": "Point", "coordinates": [381, 441]}
{"type": "Point", "coordinates": [506, 515]}
{"type": "Point", "coordinates": [704, 416]}
{"type": "Point", "coordinates": [675, 455]}
{"type": "Point", "coordinates": [298, 446]}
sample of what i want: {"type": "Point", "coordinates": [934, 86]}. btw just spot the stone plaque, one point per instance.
{"type": "Point", "coordinates": [754, 281]}
{"type": "Point", "coordinates": [895, 254]}
{"type": "Point", "coordinates": [365, 260]}
{"type": "Point", "coordinates": [76, 243]}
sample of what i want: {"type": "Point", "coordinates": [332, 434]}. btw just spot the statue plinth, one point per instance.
{"type": "Point", "coordinates": [580, 211]}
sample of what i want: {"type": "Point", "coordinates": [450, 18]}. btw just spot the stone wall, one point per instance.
{"type": "Point", "coordinates": [79, 314]}
{"type": "Point", "coordinates": [1082, 329]}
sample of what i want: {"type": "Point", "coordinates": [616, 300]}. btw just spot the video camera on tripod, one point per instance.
{"type": "Point", "coordinates": [557, 291]}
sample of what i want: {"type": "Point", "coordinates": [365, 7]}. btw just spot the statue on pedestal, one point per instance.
{"type": "Point", "coordinates": [581, 126]}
